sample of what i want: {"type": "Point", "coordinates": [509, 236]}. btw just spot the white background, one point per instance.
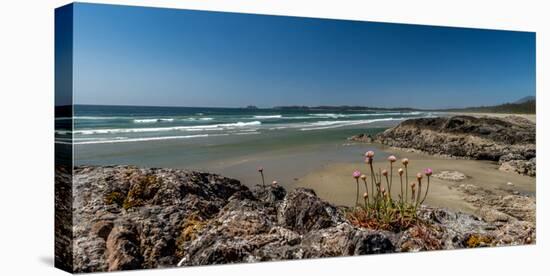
{"type": "Point", "coordinates": [26, 134]}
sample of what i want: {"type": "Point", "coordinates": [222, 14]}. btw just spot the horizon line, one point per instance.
{"type": "Point", "coordinates": [292, 105]}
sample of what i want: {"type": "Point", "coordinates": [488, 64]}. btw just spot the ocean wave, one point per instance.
{"type": "Point", "coordinates": [335, 124]}
{"type": "Point", "coordinates": [157, 120]}
{"type": "Point", "coordinates": [62, 132]}
{"type": "Point", "coordinates": [383, 114]}
{"type": "Point", "coordinates": [268, 116]}
{"type": "Point", "coordinates": [144, 120]}
{"type": "Point", "coordinates": [145, 139]}
{"type": "Point", "coordinates": [90, 118]}
{"type": "Point", "coordinates": [175, 128]}
{"type": "Point", "coordinates": [327, 115]}
{"type": "Point", "coordinates": [198, 119]}
{"type": "Point", "coordinates": [341, 115]}
{"type": "Point", "coordinates": [102, 117]}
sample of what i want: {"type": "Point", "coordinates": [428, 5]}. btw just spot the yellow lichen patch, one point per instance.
{"type": "Point", "coordinates": [477, 240]}
{"type": "Point", "coordinates": [143, 189]}
{"type": "Point", "coordinates": [189, 229]}
{"type": "Point", "coordinates": [114, 198]}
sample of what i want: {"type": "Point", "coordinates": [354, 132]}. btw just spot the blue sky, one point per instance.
{"type": "Point", "coordinates": [167, 57]}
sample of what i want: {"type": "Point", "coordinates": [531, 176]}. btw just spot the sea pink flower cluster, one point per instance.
{"type": "Point", "coordinates": [378, 201]}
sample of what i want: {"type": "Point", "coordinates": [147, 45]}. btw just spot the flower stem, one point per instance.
{"type": "Point", "coordinates": [391, 178]}
{"type": "Point", "coordinates": [357, 194]}
{"type": "Point", "coordinates": [263, 179]}
{"type": "Point", "coordinates": [366, 188]}
{"type": "Point", "coordinates": [388, 184]}
{"type": "Point", "coordinates": [427, 188]}
{"type": "Point", "coordinates": [406, 186]}
{"type": "Point", "coordinates": [401, 196]}
{"type": "Point", "coordinates": [373, 179]}
{"type": "Point", "coordinates": [419, 193]}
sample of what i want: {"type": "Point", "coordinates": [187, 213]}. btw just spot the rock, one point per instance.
{"type": "Point", "coordinates": [493, 215]}
{"type": "Point", "coordinates": [122, 248]}
{"type": "Point", "coordinates": [270, 193]}
{"type": "Point", "coordinates": [511, 218]}
{"type": "Point", "coordinates": [519, 120]}
{"type": "Point", "coordinates": [248, 231]}
{"type": "Point", "coordinates": [133, 218]}
{"type": "Point", "coordinates": [450, 175]}
{"type": "Point", "coordinates": [302, 211]}
{"type": "Point", "coordinates": [508, 140]}
{"type": "Point", "coordinates": [510, 157]}
{"type": "Point", "coordinates": [102, 228]}
{"type": "Point", "coordinates": [64, 239]}
{"type": "Point", "coordinates": [126, 217]}
{"type": "Point", "coordinates": [372, 242]}
{"type": "Point", "coordinates": [364, 138]}
{"type": "Point", "coordinates": [520, 166]}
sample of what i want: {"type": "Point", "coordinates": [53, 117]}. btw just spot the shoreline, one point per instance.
{"type": "Point", "coordinates": [325, 166]}
{"type": "Point", "coordinates": [168, 217]}
{"type": "Point", "coordinates": [530, 117]}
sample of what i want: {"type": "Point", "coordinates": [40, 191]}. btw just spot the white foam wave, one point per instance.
{"type": "Point", "coordinates": [340, 115]}
{"type": "Point", "coordinates": [268, 116]}
{"type": "Point", "coordinates": [146, 139]}
{"type": "Point", "coordinates": [62, 132]}
{"type": "Point", "coordinates": [156, 120]}
{"type": "Point", "coordinates": [176, 128]}
{"type": "Point", "coordinates": [63, 142]}
{"type": "Point", "coordinates": [198, 119]}
{"type": "Point", "coordinates": [327, 115]}
{"type": "Point", "coordinates": [247, 133]}
{"type": "Point", "coordinates": [336, 124]}
{"type": "Point", "coordinates": [91, 118]}
{"type": "Point", "coordinates": [95, 139]}
{"type": "Point", "coordinates": [101, 117]}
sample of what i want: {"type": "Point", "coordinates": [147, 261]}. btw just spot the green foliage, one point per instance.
{"type": "Point", "coordinates": [379, 209]}
{"type": "Point", "coordinates": [527, 107]}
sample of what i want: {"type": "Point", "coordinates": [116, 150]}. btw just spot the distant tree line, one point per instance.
{"type": "Point", "coordinates": [524, 107]}
{"type": "Point", "coordinates": [527, 107]}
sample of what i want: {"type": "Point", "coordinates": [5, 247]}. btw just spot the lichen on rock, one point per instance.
{"type": "Point", "coordinates": [191, 218]}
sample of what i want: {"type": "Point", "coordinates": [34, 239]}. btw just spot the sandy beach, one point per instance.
{"type": "Point", "coordinates": [318, 157]}
{"type": "Point", "coordinates": [335, 184]}
{"type": "Point", "coordinates": [530, 117]}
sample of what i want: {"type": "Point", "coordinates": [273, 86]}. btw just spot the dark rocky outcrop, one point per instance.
{"type": "Point", "coordinates": [509, 141]}
{"type": "Point", "coordinates": [363, 137]}
{"type": "Point", "coordinates": [132, 218]}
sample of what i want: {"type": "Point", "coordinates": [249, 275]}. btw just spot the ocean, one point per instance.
{"type": "Point", "coordinates": [231, 141]}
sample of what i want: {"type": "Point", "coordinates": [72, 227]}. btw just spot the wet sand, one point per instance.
{"type": "Point", "coordinates": [334, 182]}
{"type": "Point", "coordinates": [322, 159]}
{"type": "Point", "coordinates": [327, 169]}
